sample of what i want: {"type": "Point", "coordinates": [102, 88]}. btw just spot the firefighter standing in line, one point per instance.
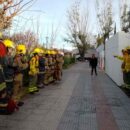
{"type": "Point", "coordinates": [50, 71]}
{"type": "Point", "coordinates": [8, 66]}
{"type": "Point", "coordinates": [41, 73]}
{"type": "Point", "coordinates": [33, 71]}
{"type": "Point", "coordinates": [18, 78]}
{"type": "Point", "coordinates": [25, 59]}
{"type": "Point", "coordinates": [3, 93]}
{"type": "Point", "coordinates": [59, 64]}
{"type": "Point", "coordinates": [46, 81]}
{"type": "Point", "coordinates": [53, 65]}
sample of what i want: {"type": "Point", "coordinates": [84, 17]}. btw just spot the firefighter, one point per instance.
{"type": "Point", "coordinates": [25, 59]}
{"type": "Point", "coordinates": [51, 66]}
{"type": "Point", "coordinates": [127, 68]}
{"type": "Point", "coordinates": [123, 66]}
{"type": "Point", "coordinates": [49, 63]}
{"type": "Point", "coordinates": [8, 66]}
{"type": "Point", "coordinates": [33, 71]}
{"type": "Point", "coordinates": [59, 64]}
{"type": "Point", "coordinates": [46, 76]}
{"type": "Point", "coordinates": [41, 66]}
{"type": "Point", "coordinates": [18, 78]}
{"type": "Point", "coordinates": [54, 64]}
{"type": "Point", "coordinates": [3, 92]}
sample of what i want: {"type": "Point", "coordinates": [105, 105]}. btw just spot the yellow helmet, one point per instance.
{"type": "Point", "coordinates": [21, 49]}
{"type": "Point", "coordinates": [53, 52]}
{"type": "Point", "coordinates": [38, 50]}
{"type": "Point", "coordinates": [127, 48]}
{"type": "Point", "coordinates": [8, 43]}
{"type": "Point", "coordinates": [47, 52]}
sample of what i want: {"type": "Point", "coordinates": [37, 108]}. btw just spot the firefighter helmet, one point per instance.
{"type": "Point", "coordinates": [8, 43]}
{"type": "Point", "coordinates": [38, 50]}
{"type": "Point", "coordinates": [21, 49]}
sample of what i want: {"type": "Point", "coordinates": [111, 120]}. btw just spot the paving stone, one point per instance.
{"type": "Point", "coordinates": [76, 103]}
{"type": "Point", "coordinates": [124, 124]}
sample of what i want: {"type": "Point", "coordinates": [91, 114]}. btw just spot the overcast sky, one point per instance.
{"type": "Point", "coordinates": [48, 14]}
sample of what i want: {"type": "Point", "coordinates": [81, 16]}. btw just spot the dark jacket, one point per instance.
{"type": "Point", "coordinates": [93, 62]}
{"type": "Point", "coordinates": [41, 64]}
{"type": "Point", "coordinates": [8, 68]}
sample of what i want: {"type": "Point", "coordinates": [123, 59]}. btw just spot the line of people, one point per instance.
{"type": "Point", "coordinates": [19, 69]}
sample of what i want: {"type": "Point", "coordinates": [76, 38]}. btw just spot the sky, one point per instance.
{"type": "Point", "coordinates": [44, 17]}
{"type": "Point", "coordinates": [47, 16]}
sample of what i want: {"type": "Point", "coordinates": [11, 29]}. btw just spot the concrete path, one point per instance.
{"type": "Point", "coordinates": [79, 102]}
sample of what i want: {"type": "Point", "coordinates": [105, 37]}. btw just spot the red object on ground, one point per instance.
{"type": "Point", "coordinates": [11, 106]}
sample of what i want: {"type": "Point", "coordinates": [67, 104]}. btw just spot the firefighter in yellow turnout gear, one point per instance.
{"type": "Point", "coordinates": [59, 64]}
{"type": "Point", "coordinates": [123, 59]}
{"type": "Point", "coordinates": [33, 71]}
{"type": "Point", "coordinates": [8, 66]}
{"type": "Point", "coordinates": [127, 68]}
{"type": "Point", "coordinates": [41, 73]}
{"type": "Point", "coordinates": [47, 69]}
{"type": "Point", "coordinates": [18, 78]}
{"type": "Point", "coordinates": [125, 65]}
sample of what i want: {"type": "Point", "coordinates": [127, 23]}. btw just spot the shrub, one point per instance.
{"type": "Point", "coordinates": [68, 61]}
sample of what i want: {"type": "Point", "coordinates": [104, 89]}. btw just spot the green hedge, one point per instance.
{"type": "Point", "coordinates": [68, 61]}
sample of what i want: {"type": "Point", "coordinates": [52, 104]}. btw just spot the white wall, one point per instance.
{"type": "Point", "coordinates": [113, 47]}
{"type": "Point", "coordinates": [100, 51]}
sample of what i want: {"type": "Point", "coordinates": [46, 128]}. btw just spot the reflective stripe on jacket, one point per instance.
{"type": "Point", "coordinates": [33, 66]}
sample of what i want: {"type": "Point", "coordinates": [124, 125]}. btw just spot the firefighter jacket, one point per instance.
{"type": "Point", "coordinates": [127, 64]}
{"type": "Point", "coordinates": [2, 80]}
{"type": "Point", "coordinates": [41, 64]}
{"type": "Point", "coordinates": [123, 59]}
{"type": "Point", "coordinates": [8, 68]}
{"type": "Point", "coordinates": [20, 65]}
{"type": "Point", "coordinates": [34, 65]}
{"type": "Point", "coordinates": [59, 62]}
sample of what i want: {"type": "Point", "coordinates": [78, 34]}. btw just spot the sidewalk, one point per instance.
{"type": "Point", "coordinates": [79, 102]}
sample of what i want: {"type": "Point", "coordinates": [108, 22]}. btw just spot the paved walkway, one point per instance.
{"type": "Point", "coordinates": [79, 102]}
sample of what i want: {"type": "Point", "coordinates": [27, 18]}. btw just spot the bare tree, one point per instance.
{"type": "Point", "coordinates": [28, 38]}
{"type": "Point", "coordinates": [125, 16]}
{"type": "Point", "coordinates": [99, 40]}
{"type": "Point", "coordinates": [78, 28]}
{"type": "Point", "coordinates": [105, 21]}
{"type": "Point", "coordinates": [105, 17]}
{"type": "Point", "coordinates": [9, 9]}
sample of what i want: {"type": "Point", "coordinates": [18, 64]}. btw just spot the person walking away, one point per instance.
{"type": "Point", "coordinates": [93, 64]}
